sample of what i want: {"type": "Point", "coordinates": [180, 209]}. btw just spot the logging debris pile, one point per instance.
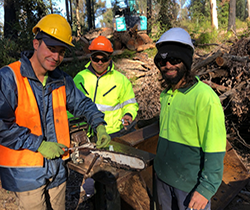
{"type": "Point", "coordinates": [226, 70]}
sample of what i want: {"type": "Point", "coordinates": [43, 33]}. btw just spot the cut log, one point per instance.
{"type": "Point", "coordinates": [226, 58]}
{"type": "Point", "coordinates": [145, 47]}
{"type": "Point", "coordinates": [134, 193]}
{"type": "Point", "coordinates": [207, 60]}
{"type": "Point", "coordinates": [146, 38]}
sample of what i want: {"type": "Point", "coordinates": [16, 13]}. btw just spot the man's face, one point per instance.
{"type": "Point", "coordinates": [100, 63]}
{"type": "Point", "coordinates": [48, 57]}
{"type": "Point", "coordinates": [172, 70]}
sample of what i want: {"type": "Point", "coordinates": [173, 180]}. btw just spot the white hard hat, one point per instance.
{"type": "Point", "coordinates": [176, 35]}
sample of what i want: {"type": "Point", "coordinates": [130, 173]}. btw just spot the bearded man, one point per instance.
{"type": "Point", "coordinates": [192, 138]}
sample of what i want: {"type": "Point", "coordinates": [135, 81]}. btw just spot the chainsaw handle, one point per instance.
{"type": "Point", "coordinates": [129, 128]}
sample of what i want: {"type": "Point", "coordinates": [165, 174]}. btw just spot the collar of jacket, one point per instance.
{"type": "Point", "coordinates": [186, 88]}
{"type": "Point", "coordinates": [90, 67]}
{"type": "Point", "coordinates": [27, 70]}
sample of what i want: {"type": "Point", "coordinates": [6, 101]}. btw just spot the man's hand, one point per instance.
{"type": "Point", "coordinates": [103, 138]}
{"type": "Point", "coordinates": [126, 120]}
{"type": "Point", "coordinates": [51, 150]}
{"type": "Point", "coordinates": [197, 201]}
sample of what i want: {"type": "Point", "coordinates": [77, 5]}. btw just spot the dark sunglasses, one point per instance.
{"type": "Point", "coordinates": [171, 60]}
{"type": "Point", "coordinates": [103, 60]}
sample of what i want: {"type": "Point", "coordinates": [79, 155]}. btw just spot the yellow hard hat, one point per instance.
{"type": "Point", "coordinates": [56, 26]}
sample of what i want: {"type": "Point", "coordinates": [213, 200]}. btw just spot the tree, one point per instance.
{"type": "Point", "coordinates": [248, 8]}
{"type": "Point", "coordinates": [232, 15]}
{"type": "Point", "coordinates": [20, 16]}
{"type": "Point", "coordinates": [78, 31]}
{"type": "Point", "coordinates": [241, 12]}
{"type": "Point", "coordinates": [51, 6]}
{"type": "Point", "coordinates": [200, 11]}
{"type": "Point", "coordinates": [10, 19]}
{"type": "Point", "coordinates": [214, 18]}
{"type": "Point", "coordinates": [107, 20]}
{"type": "Point", "coordinates": [168, 13]}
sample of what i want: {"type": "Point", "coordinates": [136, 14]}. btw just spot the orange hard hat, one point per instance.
{"type": "Point", "coordinates": [101, 43]}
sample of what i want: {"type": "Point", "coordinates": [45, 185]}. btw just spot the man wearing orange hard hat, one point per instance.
{"type": "Point", "coordinates": [34, 98]}
{"type": "Point", "coordinates": [111, 91]}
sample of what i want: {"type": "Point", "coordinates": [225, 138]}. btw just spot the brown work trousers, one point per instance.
{"type": "Point", "coordinates": [42, 199]}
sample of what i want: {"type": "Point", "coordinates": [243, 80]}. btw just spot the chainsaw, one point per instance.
{"type": "Point", "coordinates": [81, 143]}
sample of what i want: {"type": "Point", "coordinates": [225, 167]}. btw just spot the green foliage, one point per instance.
{"type": "Point", "coordinates": [9, 52]}
{"type": "Point", "coordinates": [241, 24]}
{"type": "Point", "coordinates": [151, 52]}
{"type": "Point", "coordinates": [223, 12]}
{"type": "Point", "coordinates": [107, 20]}
{"type": "Point", "coordinates": [200, 11]}
{"type": "Point", "coordinates": [76, 65]}
{"type": "Point", "coordinates": [159, 30]}
{"type": "Point", "coordinates": [241, 11]}
{"type": "Point", "coordinates": [168, 13]}
{"type": "Point", "coordinates": [73, 67]}
{"type": "Point", "coordinates": [207, 37]}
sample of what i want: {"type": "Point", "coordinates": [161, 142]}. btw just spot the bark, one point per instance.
{"type": "Point", "coordinates": [214, 17]}
{"type": "Point", "coordinates": [78, 20]}
{"type": "Point", "coordinates": [248, 8]}
{"type": "Point", "coordinates": [10, 19]}
{"type": "Point", "coordinates": [88, 4]}
{"type": "Point", "coordinates": [93, 13]}
{"type": "Point", "coordinates": [71, 12]}
{"type": "Point", "coordinates": [51, 6]}
{"type": "Point", "coordinates": [67, 10]}
{"type": "Point", "coordinates": [232, 16]}
{"type": "Point", "coordinates": [149, 15]}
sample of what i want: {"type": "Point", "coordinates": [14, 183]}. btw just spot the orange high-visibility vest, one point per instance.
{"type": "Point", "coordinates": [27, 115]}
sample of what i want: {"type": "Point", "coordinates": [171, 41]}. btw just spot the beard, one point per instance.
{"type": "Point", "coordinates": [173, 80]}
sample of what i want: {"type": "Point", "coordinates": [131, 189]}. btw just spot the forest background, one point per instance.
{"type": "Point", "coordinates": [196, 17]}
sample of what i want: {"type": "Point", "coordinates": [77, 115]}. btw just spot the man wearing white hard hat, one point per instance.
{"type": "Point", "coordinates": [192, 138]}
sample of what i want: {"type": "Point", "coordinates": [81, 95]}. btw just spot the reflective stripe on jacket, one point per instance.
{"type": "Point", "coordinates": [27, 115]}
{"type": "Point", "coordinates": [112, 93]}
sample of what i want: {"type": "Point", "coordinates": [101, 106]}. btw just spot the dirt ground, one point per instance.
{"type": "Point", "coordinates": [133, 69]}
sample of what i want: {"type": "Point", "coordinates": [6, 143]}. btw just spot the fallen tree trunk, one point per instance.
{"type": "Point", "coordinates": [206, 61]}
{"type": "Point", "coordinates": [227, 58]}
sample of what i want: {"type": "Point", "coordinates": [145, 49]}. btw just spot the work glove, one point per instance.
{"type": "Point", "coordinates": [51, 150]}
{"type": "Point", "coordinates": [103, 138]}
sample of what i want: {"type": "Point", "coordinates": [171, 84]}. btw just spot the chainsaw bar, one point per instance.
{"type": "Point", "coordinates": [120, 160]}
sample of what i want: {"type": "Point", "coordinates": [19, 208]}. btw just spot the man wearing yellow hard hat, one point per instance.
{"type": "Point", "coordinates": [34, 98]}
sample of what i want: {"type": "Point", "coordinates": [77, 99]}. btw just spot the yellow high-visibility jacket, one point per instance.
{"type": "Point", "coordinates": [112, 93]}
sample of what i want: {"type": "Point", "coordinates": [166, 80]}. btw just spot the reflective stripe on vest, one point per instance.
{"type": "Point", "coordinates": [104, 108]}
{"type": "Point", "coordinates": [27, 115]}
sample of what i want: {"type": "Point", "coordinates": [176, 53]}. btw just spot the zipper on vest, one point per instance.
{"type": "Point", "coordinates": [109, 91]}
{"type": "Point", "coordinates": [84, 88]}
{"type": "Point", "coordinates": [97, 81]}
